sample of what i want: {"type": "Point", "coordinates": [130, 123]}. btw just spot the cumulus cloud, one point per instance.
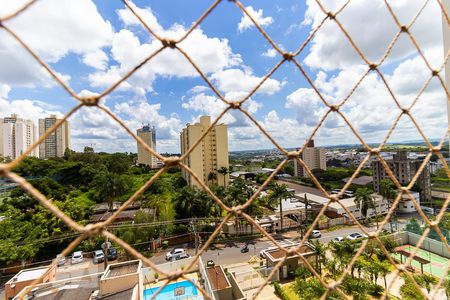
{"type": "Point", "coordinates": [372, 28]}
{"type": "Point", "coordinates": [53, 29]}
{"type": "Point", "coordinates": [271, 52]}
{"type": "Point", "coordinates": [211, 54]}
{"type": "Point", "coordinates": [257, 15]}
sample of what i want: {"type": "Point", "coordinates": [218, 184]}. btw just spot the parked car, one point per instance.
{"type": "Point", "coordinates": [177, 251]}
{"type": "Point", "coordinates": [61, 260]}
{"type": "Point", "coordinates": [315, 234]}
{"type": "Point", "coordinates": [98, 257]}
{"type": "Point", "coordinates": [210, 263]}
{"type": "Point", "coordinates": [111, 254]}
{"type": "Point", "coordinates": [182, 256]}
{"type": "Point", "coordinates": [77, 257]}
{"type": "Point", "coordinates": [356, 236]}
{"type": "Point", "coordinates": [338, 239]}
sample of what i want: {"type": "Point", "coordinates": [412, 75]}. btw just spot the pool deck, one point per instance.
{"type": "Point", "coordinates": [192, 276]}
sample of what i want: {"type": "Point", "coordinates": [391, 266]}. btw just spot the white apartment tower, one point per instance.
{"type": "Point", "coordinates": [210, 155]}
{"type": "Point", "coordinates": [16, 136]}
{"type": "Point", "coordinates": [57, 142]}
{"type": "Point", "coordinates": [314, 158]}
{"type": "Point", "coordinates": [148, 135]}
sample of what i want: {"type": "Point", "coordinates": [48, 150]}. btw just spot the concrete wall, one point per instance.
{"type": "Point", "coordinates": [206, 283]}
{"type": "Point", "coordinates": [148, 274]}
{"type": "Point", "coordinates": [428, 244]}
{"type": "Point", "coordinates": [237, 292]}
{"type": "Point", "coordinates": [112, 285]}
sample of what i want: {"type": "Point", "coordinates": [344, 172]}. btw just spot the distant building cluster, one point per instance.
{"type": "Point", "coordinates": [18, 134]}
{"type": "Point", "coordinates": [314, 158]}
{"type": "Point", "coordinates": [210, 155]}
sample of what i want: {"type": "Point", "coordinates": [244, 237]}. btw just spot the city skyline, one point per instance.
{"type": "Point", "coordinates": [172, 97]}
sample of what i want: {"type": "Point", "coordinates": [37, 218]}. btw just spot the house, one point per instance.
{"type": "Point", "coordinates": [25, 277]}
{"type": "Point", "coordinates": [292, 262]}
{"type": "Point", "coordinates": [381, 207]}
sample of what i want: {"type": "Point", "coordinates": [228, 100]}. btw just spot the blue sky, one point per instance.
{"type": "Point", "coordinates": [93, 43]}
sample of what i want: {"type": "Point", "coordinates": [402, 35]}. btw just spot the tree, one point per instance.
{"type": "Point", "coordinates": [321, 251]}
{"type": "Point", "coordinates": [413, 226]}
{"type": "Point", "coordinates": [212, 177]}
{"type": "Point", "coordinates": [389, 191]}
{"type": "Point", "coordinates": [223, 171]}
{"type": "Point", "coordinates": [277, 194]}
{"type": "Point", "coordinates": [365, 201]}
{"type": "Point", "coordinates": [110, 186]}
{"type": "Point", "coordinates": [426, 281]}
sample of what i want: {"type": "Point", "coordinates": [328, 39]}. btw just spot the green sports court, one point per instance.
{"type": "Point", "coordinates": [433, 264]}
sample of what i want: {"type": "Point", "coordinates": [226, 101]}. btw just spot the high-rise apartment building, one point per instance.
{"type": "Point", "coordinates": [57, 142]}
{"type": "Point", "coordinates": [17, 135]}
{"type": "Point", "coordinates": [404, 170]}
{"type": "Point", "coordinates": [314, 158]}
{"type": "Point", "coordinates": [148, 135]}
{"type": "Point", "coordinates": [210, 155]}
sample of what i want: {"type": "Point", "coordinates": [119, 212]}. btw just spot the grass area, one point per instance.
{"type": "Point", "coordinates": [441, 188]}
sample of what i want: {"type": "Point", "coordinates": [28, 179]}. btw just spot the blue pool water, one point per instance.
{"type": "Point", "coordinates": [185, 289]}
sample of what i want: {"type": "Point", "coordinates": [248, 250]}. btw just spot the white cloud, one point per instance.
{"type": "Point", "coordinates": [53, 29]}
{"type": "Point", "coordinates": [210, 54]}
{"type": "Point", "coordinates": [243, 81]}
{"type": "Point", "coordinates": [372, 28]}
{"type": "Point", "coordinates": [271, 52]}
{"type": "Point", "coordinates": [257, 15]}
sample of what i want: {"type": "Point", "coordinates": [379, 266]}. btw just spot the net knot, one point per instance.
{"type": "Point", "coordinates": [373, 66]}
{"type": "Point", "coordinates": [171, 161]}
{"type": "Point", "coordinates": [374, 151]}
{"type": "Point", "coordinates": [90, 100]}
{"type": "Point", "coordinates": [434, 73]}
{"type": "Point", "coordinates": [331, 15]}
{"type": "Point", "coordinates": [288, 56]}
{"type": "Point", "coordinates": [334, 108]}
{"type": "Point", "coordinates": [93, 229]}
{"type": "Point", "coordinates": [235, 104]}
{"type": "Point", "coordinates": [334, 198]}
{"type": "Point", "coordinates": [405, 111]}
{"type": "Point", "coordinates": [169, 43]}
{"type": "Point", "coordinates": [404, 28]}
{"type": "Point", "coordinates": [292, 154]}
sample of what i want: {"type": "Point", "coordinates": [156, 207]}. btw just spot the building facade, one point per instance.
{"type": "Point", "coordinates": [210, 155]}
{"type": "Point", "coordinates": [314, 158]}
{"type": "Point", "coordinates": [57, 142]}
{"type": "Point", "coordinates": [148, 135]}
{"type": "Point", "coordinates": [17, 135]}
{"type": "Point", "coordinates": [404, 170]}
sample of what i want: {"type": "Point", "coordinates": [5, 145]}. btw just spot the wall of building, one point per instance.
{"type": "Point", "coordinates": [209, 155]}
{"type": "Point", "coordinates": [13, 288]}
{"type": "Point", "coordinates": [144, 157]}
{"type": "Point", "coordinates": [236, 291]}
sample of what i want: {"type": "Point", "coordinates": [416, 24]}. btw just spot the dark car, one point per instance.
{"type": "Point", "coordinates": [244, 249]}
{"type": "Point", "coordinates": [182, 256]}
{"type": "Point", "coordinates": [112, 254]}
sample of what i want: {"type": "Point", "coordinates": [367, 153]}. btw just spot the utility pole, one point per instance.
{"type": "Point", "coordinates": [193, 225]}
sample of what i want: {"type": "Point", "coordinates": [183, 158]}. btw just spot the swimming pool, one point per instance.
{"type": "Point", "coordinates": [174, 291]}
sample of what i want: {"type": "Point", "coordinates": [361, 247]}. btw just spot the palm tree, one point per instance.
{"type": "Point", "coordinates": [211, 177]}
{"type": "Point", "coordinates": [384, 271]}
{"type": "Point", "coordinates": [321, 251]}
{"type": "Point", "coordinates": [389, 191]}
{"type": "Point", "coordinates": [278, 192]}
{"type": "Point", "coordinates": [110, 186]}
{"type": "Point", "coordinates": [365, 201]}
{"type": "Point", "coordinates": [223, 171]}
{"type": "Point", "coordinates": [426, 281]}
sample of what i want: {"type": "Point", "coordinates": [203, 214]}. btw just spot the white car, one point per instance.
{"type": "Point", "coordinates": [315, 234]}
{"type": "Point", "coordinates": [174, 253]}
{"type": "Point", "coordinates": [61, 260]}
{"type": "Point", "coordinates": [356, 236]}
{"type": "Point", "coordinates": [338, 239]}
{"type": "Point", "coordinates": [77, 257]}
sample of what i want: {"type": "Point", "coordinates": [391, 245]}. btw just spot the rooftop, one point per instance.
{"type": "Point", "coordinates": [278, 254]}
{"type": "Point", "coordinates": [29, 274]}
{"type": "Point", "coordinates": [122, 269]}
